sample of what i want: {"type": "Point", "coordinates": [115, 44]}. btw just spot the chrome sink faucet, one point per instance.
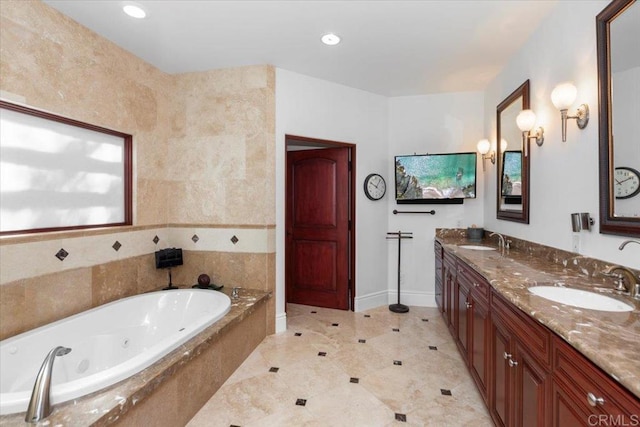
{"type": "Point", "coordinates": [626, 280]}
{"type": "Point", "coordinates": [502, 243]}
{"type": "Point", "coordinates": [627, 275]}
{"type": "Point", "coordinates": [626, 242]}
{"type": "Point", "coordinates": [39, 405]}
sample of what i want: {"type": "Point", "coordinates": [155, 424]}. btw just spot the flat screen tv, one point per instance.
{"type": "Point", "coordinates": [512, 177]}
{"type": "Point", "coordinates": [435, 178]}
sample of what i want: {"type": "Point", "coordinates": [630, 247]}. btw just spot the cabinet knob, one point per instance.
{"type": "Point", "coordinates": [512, 363]}
{"type": "Point", "coordinates": [475, 285]}
{"type": "Point", "coordinates": [593, 400]}
{"type": "Point", "coordinates": [468, 304]}
{"type": "Point", "coordinates": [506, 356]}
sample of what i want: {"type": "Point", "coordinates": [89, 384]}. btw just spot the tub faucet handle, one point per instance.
{"type": "Point", "coordinates": [234, 293]}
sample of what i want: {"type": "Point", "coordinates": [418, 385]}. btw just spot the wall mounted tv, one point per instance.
{"type": "Point", "coordinates": [435, 178]}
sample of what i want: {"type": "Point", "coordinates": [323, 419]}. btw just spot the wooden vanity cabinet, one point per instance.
{"type": "Point", "coordinates": [521, 365]}
{"type": "Point", "coordinates": [438, 279]}
{"type": "Point", "coordinates": [583, 395]}
{"type": "Point", "coordinates": [527, 375]}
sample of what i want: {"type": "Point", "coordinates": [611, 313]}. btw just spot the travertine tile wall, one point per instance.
{"type": "Point", "coordinates": [204, 158]}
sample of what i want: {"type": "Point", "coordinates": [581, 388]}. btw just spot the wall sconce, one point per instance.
{"type": "Point", "coordinates": [563, 96]}
{"type": "Point", "coordinates": [483, 148]}
{"type": "Point", "coordinates": [526, 120]}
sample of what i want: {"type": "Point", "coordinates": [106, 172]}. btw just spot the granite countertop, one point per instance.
{"type": "Point", "coordinates": [105, 406]}
{"type": "Point", "coordinates": [611, 340]}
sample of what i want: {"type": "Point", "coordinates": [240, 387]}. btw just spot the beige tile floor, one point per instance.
{"type": "Point", "coordinates": [339, 368]}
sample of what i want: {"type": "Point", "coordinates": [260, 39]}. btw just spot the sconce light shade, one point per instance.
{"type": "Point", "coordinates": [503, 145]}
{"type": "Point", "coordinates": [483, 146]}
{"type": "Point", "coordinates": [564, 95]}
{"type": "Point", "coordinates": [525, 120]}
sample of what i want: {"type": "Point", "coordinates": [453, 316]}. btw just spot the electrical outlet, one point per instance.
{"type": "Point", "coordinates": [575, 246]}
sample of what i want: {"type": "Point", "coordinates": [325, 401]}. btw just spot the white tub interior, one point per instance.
{"type": "Point", "coordinates": [108, 343]}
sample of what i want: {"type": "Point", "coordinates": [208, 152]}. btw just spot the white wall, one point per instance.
{"type": "Point", "coordinates": [564, 176]}
{"type": "Point", "coordinates": [442, 123]}
{"type": "Point", "coordinates": [310, 107]}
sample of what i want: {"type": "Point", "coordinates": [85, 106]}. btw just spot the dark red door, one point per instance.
{"type": "Point", "coordinates": [317, 247]}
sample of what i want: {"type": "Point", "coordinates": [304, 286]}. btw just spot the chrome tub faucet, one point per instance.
{"type": "Point", "coordinates": [40, 405]}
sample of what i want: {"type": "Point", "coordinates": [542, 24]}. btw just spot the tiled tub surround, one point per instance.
{"type": "Point", "coordinates": [172, 390]}
{"type": "Point", "coordinates": [611, 340]}
{"type": "Point", "coordinates": [83, 281]}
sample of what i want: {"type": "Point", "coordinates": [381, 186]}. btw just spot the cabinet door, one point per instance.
{"type": "Point", "coordinates": [531, 384]}
{"type": "Point", "coordinates": [478, 346]}
{"type": "Point", "coordinates": [501, 384]}
{"type": "Point", "coordinates": [566, 412]}
{"type": "Point", "coordinates": [462, 318]}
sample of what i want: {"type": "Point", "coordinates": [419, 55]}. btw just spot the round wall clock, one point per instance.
{"type": "Point", "coordinates": [374, 186]}
{"type": "Point", "coordinates": [626, 182]}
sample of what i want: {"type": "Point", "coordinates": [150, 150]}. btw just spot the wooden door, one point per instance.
{"type": "Point", "coordinates": [462, 314]}
{"type": "Point", "coordinates": [317, 247]}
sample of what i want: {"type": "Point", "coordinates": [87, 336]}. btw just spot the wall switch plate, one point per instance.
{"type": "Point", "coordinates": [575, 245]}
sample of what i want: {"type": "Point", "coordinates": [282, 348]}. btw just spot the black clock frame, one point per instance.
{"type": "Point", "coordinates": [637, 174]}
{"type": "Point", "coordinates": [366, 189]}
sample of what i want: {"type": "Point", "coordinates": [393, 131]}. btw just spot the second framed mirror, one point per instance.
{"type": "Point", "coordinates": [512, 158]}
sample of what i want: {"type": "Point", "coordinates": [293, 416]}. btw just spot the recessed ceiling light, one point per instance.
{"type": "Point", "coordinates": [330, 39]}
{"type": "Point", "coordinates": [134, 10]}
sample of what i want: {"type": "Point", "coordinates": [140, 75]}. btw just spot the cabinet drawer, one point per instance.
{"type": "Point", "coordinates": [479, 285]}
{"type": "Point", "coordinates": [581, 377]}
{"type": "Point", "coordinates": [535, 337]}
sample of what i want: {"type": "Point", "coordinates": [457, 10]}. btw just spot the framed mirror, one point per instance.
{"type": "Point", "coordinates": [618, 32]}
{"type": "Point", "coordinates": [512, 158]}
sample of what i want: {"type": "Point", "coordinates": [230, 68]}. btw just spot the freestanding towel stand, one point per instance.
{"type": "Point", "coordinates": [399, 308]}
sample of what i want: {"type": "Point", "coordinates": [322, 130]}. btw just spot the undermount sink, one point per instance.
{"type": "Point", "coordinates": [477, 247]}
{"type": "Point", "coordinates": [580, 298]}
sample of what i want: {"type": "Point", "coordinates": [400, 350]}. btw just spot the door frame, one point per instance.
{"type": "Point", "coordinates": [322, 143]}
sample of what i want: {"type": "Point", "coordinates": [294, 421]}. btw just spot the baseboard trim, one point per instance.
{"type": "Point", "coordinates": [281, 322]}
{"type": "Point", "coordinates": [415, 298]}
{"type": "Point", "coordinates": [366, 302]}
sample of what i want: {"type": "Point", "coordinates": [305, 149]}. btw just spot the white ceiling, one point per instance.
{"type": "Point", "coordinates": [392, 48]}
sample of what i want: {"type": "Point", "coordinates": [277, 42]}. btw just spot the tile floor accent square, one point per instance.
{"type": "Point", "coordinates": [334, 324]}
{"type": "Point", "coordinates": [234, 425]}
{"type": "Point", "coordinates": [322, 353]}
{"type": "Point", "coordinates": [298, 334]}
{"type": "Point", "coordinates": [396, 330]}
{"type": "Point", "coordinates": [367, 315]}
{"type": "Point", "coordinates": [274, 369]}
{"type": "Point", "coordinates": [445, 392]}
{"type": "Point", "coordinates": [397, 362]}
{"type": "Point", "coordinates": [301, 402]}
{"type": "Point", "coordinates": [314, 312]}
{"type": "Point", "coordinates": [425, 320]}
{"type": "Point", "coordinates": [401, 417]}
{"type": "Point", "coordinates": [433, 347]}
{"type": "Point", "coordinates": [354, 380]}
{"type": "Point", "coordinates": [362, 341]}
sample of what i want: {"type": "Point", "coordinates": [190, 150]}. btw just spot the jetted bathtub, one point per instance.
{"type": "Point", "coordinates": [108, 343]}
